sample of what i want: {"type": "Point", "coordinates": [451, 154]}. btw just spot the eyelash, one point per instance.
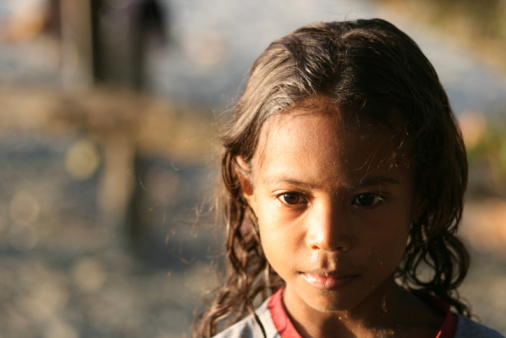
{"type": "Point", "coordinates": [300, 199]}
{"type": "Point", "coordinates": [377, 200]}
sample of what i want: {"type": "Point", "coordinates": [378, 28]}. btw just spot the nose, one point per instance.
{"type": "Point", "coordinates": [329, 228]}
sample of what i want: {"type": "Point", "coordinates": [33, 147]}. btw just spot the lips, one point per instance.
{"type": "Point", "coordinates": [327, 281]}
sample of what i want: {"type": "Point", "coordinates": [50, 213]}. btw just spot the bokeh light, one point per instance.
{"type": "Point", "coordinates": [82, 160]}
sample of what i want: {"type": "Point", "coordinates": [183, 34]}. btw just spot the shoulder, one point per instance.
{"type": "Point", "coordinates": [249, 328]}
{"type": "Point", "coordinates": [467, 328]}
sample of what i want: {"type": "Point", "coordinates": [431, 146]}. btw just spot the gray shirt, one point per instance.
{"type": "Point", "coordinates": [248, 327]}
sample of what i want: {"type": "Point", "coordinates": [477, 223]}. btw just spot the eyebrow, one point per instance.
{"type": "Point", "coordinates": [381, 179]}
{"type": "Point", "coordinates": [362, 183]}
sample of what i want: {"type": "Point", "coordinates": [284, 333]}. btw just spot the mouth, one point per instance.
{"type": "Point", "coordinates": [328, 281]}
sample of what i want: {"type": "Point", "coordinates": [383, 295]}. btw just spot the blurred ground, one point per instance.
{"type": "Point", "coordinates": [66, 275]}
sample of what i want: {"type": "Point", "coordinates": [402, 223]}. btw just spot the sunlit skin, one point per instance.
{"type": "Point", "coordinates": [334, 198]}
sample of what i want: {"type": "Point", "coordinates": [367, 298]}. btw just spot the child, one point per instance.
{"type": "Point", "coordinates": [344, 174]}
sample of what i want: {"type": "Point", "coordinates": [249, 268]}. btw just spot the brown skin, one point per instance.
{"type": "Point", "coordinates": [334, 198]}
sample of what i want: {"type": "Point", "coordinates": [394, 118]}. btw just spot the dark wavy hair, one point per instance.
{"type": "Point", "coordinates": [367, 67]}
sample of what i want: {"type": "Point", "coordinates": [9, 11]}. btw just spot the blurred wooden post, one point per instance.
{"type": "Point", "coordinates": [76, 44]}
{"type": "Point", "coordinates": [103, 44]}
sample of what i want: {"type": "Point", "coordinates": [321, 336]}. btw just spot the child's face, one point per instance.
{"type": "Point", "coordinates": [334, 198]}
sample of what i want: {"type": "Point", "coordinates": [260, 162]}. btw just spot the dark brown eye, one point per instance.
{"type": "Point", "coordinates": [291, 198]}
{"type": "Point", "coordinates": [367, 199]}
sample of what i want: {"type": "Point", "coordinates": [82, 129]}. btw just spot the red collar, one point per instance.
{"type": "Point", "coordinates": [449, 327]}
{"type": "Point", "coordinates": [280, 317]}
{"type": "Point", "coordinates": [287, 330]}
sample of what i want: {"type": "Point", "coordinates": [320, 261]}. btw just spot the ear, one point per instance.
{"type": "Point", "coordinates": [243, 172]}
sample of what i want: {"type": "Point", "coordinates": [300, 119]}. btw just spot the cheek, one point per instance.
{"type": "Point", "coordinates": [273, 222]}
{"type": "Point", "coordinates": [276, 234]}
{"type": "Point", "coordinates": [281, 239]}
{"type": "Point", "coordinates": [387, 251]}
{"type": "Point", "coordinates": [277, 250]}
{"type": "Point", "coordinates": [387, 239]}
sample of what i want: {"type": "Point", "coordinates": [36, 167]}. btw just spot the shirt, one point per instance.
{"type": "Point", "coordinates": [277, 324]}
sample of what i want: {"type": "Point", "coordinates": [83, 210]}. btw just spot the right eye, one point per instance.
{"type": "Point", "coordinates": [292, 198]}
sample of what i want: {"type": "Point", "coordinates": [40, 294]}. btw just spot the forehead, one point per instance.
{"type": "Point", "coordinates": [319, 135]}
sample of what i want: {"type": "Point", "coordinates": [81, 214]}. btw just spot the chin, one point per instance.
{"type": "Point", "coordinates": [328, 302]}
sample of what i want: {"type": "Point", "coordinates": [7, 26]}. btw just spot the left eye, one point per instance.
{"type": "Point", "coordinates": [367, 199]}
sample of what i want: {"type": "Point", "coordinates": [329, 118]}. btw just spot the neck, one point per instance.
{"type": "Point", "coordinates": [383, 314]}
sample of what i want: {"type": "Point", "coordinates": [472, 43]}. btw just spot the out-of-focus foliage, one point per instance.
{"type": "Point", "coordinates": [477, 24]}
{"type": "Point", "coordinates": [480, 27]}
{"type": "Point", "coordinates": [21, 20]}
{"type": "Point", "coordinates": [486, 148]}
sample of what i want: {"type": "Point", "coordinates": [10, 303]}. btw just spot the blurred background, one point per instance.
{"type": "Point", "coordinates": [110, 112]}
